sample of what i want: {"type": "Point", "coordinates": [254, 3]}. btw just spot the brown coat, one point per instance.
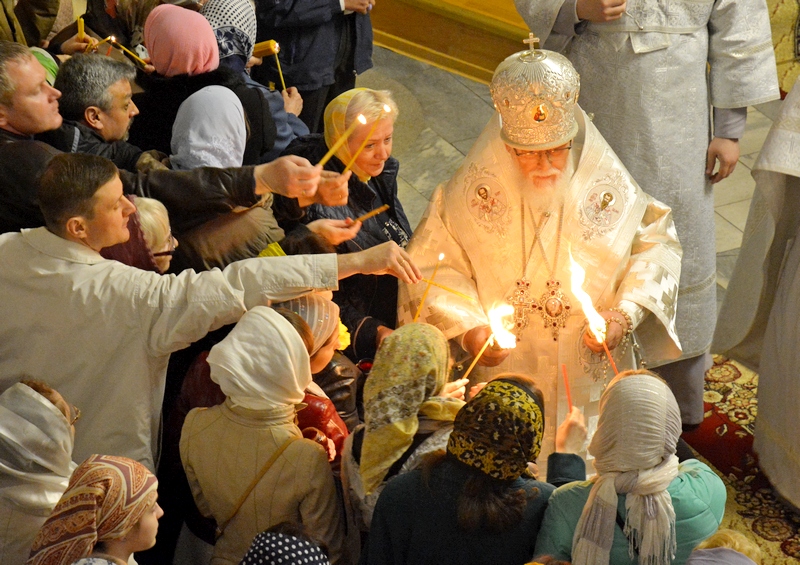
{"type": "Point", "coordinates": [223, 448]}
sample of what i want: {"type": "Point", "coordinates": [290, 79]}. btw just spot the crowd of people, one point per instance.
{"type": "Point", "coordinates": [218, 324]}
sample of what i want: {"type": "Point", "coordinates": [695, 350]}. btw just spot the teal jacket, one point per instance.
{"type": "Point", "coordinates": [698, 496]}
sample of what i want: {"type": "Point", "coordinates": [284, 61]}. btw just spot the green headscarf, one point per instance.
{"type": "Point", "coordinates": [410, 367]}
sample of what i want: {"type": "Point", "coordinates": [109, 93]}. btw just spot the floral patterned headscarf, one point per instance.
{"type": "Point", "coordinates": [410, 367]}
{"type": "Point", "coordinates": [106, 497]}
{"type": "Point", "coordinates": [234, 25]}
{"type": "Point", "coordinates": [499, 431]}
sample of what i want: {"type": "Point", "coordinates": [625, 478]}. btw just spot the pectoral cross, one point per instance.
{"type": "Point", "coordinates": [523, 304]}
{"type": "Point", "coordinates": [532, 42]}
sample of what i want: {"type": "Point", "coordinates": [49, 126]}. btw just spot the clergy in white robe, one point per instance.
{"type": "Point", "coordinates": [507, 236]}
{"type": "Point", "coordinates": [758, 321]}
{"type": "Point", "coordinates": [649, 75]}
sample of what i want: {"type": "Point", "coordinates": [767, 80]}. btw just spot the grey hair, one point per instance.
{"type": "Point", "coordinates": [84, 81]}
{"type": "Point", "coordinates": [10, 52]}
{"type": "Point", "coordinates": [370, 103]}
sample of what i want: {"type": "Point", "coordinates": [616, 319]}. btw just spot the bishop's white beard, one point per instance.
{"type": "Point", "coordinates": [544, 189]}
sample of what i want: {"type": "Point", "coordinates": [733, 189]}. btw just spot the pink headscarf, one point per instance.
{"type": "Point", "coordinates": [180, 42]}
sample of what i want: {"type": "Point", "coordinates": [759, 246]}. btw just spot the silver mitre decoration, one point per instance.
{"type": "Point", "coordinates": [536, 93]}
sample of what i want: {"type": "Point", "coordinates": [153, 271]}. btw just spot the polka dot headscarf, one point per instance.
{"type": "Point", "coordinates": [270, 548]}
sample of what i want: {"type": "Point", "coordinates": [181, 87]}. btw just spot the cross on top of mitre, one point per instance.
{"type": "Point", "coordinates": [532, 42]}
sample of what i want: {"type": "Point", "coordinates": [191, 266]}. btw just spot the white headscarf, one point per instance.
{"type": "Point", "coordinates": [35, 450]}
{"type": "Point", "coordinates": [262, 363]}
{"type": "Point", "coordinates": [209, 130]}
{"type": "Point", "coordinates": [634, 449]}
{"type": "Point", "coordinates": [321, 315]}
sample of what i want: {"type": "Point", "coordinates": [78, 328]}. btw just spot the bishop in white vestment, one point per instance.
{"type": "Point", "coordinates": [541, 185]}
{"type": "Point", "coordinates": [650, 73]}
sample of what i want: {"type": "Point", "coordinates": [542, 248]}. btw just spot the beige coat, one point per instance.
{"type": "Point", "coordinates": [223, 448]}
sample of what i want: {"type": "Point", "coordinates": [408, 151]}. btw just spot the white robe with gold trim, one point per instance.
{"type": "Point", "coordinates": [629, 250]}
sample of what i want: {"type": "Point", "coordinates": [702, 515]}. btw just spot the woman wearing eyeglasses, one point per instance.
{"type": "Point", "coordinates": [36, 437]}
{"type": "Point", "coordinates": [151, 245]}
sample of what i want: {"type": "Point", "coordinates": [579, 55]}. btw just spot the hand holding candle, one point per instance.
{"type": "Point", "coordinates": [497, 335]}
{"type": "Point", "coordinates": [595, 338]}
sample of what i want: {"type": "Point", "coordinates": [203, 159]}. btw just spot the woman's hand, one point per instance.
{"type": "Point", "coordinates": [454, 389]}
{"type": "Point", "coordinates": [335, 231]}
{"type": "Point", "coordinates": [571, 434]}
{"type": "Point", "coordinates": [74, 45]}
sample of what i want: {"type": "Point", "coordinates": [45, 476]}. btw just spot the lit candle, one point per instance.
{"type": "Point", "coordinates": [597, 324]}
{"type": "Point", "coordinates": [448, 289]}
{"type": "Point", "coordinates": [81, 31]}
{"type": "Point", "coordinates": [566, 386]}
{"type": "Point", "coordinates": [124, 49]}
{"type": "Point", "coordinates": [386, 110]}
{"type": "Point", "coordinates": [374, 212]}
{"type": "Point", "coordinates": [265, 48]}
{"type": "Point", "coordinates": [427, 288]}
{"type": "Point", "coordinates": [280, 72]}
{"type": "Point", "coordinates": [109, 38]}
{"type": "Point", "coordinates": [500, 334]}
{"type": "Point", "coordinates": [360, 119]}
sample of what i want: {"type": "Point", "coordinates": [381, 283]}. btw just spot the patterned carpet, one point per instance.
{"type": "Point", "coordinates": [783, 16]}
{"type": "Point", "coordinates": [725, 441]}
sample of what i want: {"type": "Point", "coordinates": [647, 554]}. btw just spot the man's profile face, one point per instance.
{"type": "Point", "coordinates": [34, 105]}
{"type": "Point", "coordinates": [109, 223]}
{"type": "Point", "coordinates": [116, 122]}
{"type": "Point", "coordinates": [544, 168]}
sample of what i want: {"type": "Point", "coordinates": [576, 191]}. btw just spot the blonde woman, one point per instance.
{"type": "Point", "coordinates": [368, 303]}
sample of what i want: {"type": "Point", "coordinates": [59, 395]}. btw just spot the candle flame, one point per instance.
{"type": "Point", "coordinates": [441, 256]}
{"type": "Point", "coordinates": [387, 109]}
{"type": "Point", "coordinates": [362, 119]}
{"type": "Point", "coordinates": [502, 336]}
{"type": "Point", "coordinates": [113, 39]}
{"type": "Point", "coordinates": [597, 324]}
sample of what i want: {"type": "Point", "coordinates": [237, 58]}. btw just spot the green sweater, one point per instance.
{"type": "Point", "coordinates": [698, 496]}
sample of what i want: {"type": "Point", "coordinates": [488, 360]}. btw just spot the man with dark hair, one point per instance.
{"type": "Point", "coordinates": [102, 331]}
{"type": "Point", "coordinates": [29, 106]}
{"type": "Point", "coordinates": [98, 111]}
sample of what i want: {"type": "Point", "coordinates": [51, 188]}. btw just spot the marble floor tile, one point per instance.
{"type": "Point", "coordinates": [748, 160]}
{"type": "Point", "coordinates": [758, 125]}
{"type": "Point", "coordinates": [431, 162]}
{"type": "Point", "coordinates": [735, 213]}
{"type": "Point", "coordinates": [465, 145]}
{"type": "Point", "coordinates": [737, 187]}
{"type": "Point", "coordinates": [414, 204]}
{"type": "Point", "coordinates": [727, 235]}
{"type": "Point", "coordinates": [726, 260]}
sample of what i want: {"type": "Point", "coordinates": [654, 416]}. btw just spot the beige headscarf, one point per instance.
{"type": "Point", "coordinates": [321, 315]}
{"type": "Point", "coordinates": [634, 446]}
{"type": "Point", "coordinates": [263, 363]}
{"type": "Point", "coordinates": [410, 367]}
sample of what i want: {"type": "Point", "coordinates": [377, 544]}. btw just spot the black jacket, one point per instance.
{"type": "Point", "coordinates": [191, 197]}
{"type": "Point", "coordinates": [75, 137]}
{"type": "Point", "coordinates": [310, 33]}
{"type": "Point", "coordinates": [162, 97]}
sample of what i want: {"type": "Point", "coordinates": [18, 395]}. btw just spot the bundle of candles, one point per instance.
{"type": "Point", "coordinates": [112, 41]}
{"type": "Point", "coordinates": [267, 48]}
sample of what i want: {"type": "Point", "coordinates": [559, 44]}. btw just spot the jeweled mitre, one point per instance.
{"type": "Point", "coordinates": [535, 92]}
